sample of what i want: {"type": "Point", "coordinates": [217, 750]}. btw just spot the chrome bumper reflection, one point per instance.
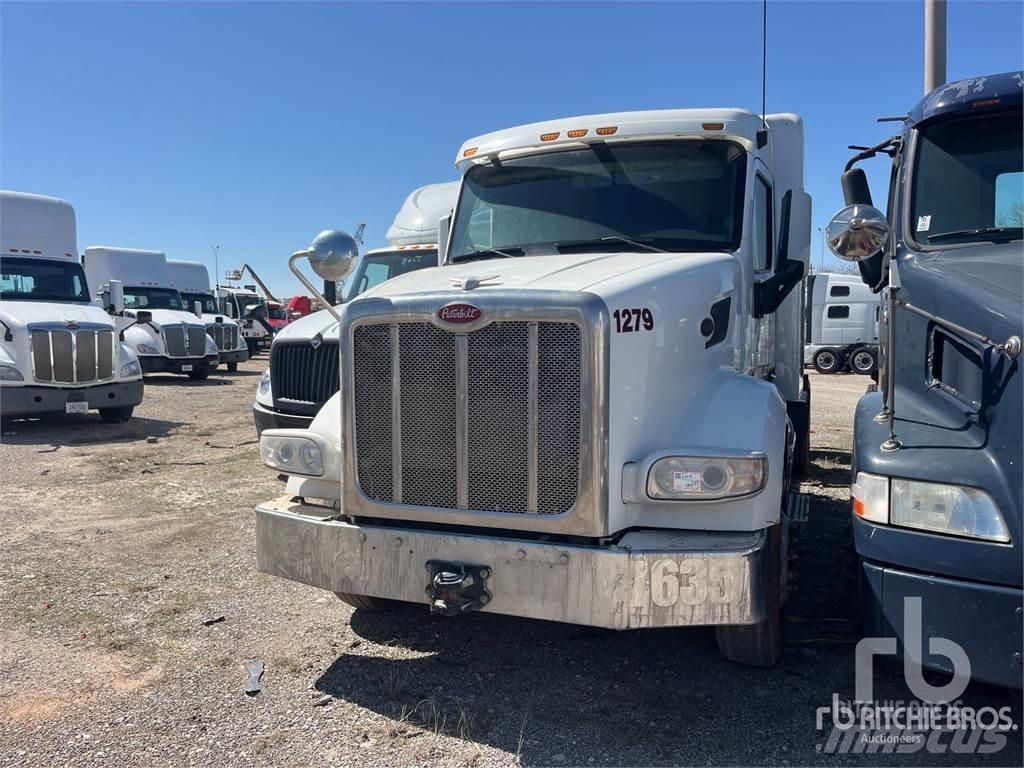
{"type": "Point", "coordinates": [651, 578]}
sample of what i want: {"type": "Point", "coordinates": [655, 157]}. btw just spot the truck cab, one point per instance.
{"type": "Point", "coordinates": [59, 353]}
{"type": "Point", "coordinates": [937, 448]}
{"type": "Point", "coordinates": [193, 282]}
{"type": "Point", "coordinates": [303, 372]}
{"type": "Point", "coordinates": [590, 413]}
{"type": "Point", "coordinates": [841, 324]}
{"type": "Point", "coordinates": [136, 286]}
{"type": "Point", "coordinates": [249, 309]}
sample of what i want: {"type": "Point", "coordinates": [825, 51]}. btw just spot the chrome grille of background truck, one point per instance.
{"type": "Point", "coordinates": [517, 438]}
{"type": "Point", "coordinates": [65, 356]}
{"type": "Point", "coordinates": [184, 340]}
{"type": "Point", "coordinates": [224, 336]}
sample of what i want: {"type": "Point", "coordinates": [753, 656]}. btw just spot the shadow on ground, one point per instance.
{"type": "Point", "coordinates": [85, 429]}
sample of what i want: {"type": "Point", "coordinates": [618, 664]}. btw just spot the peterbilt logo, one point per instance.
{"type": "Point", "coordinates": [459, 313]}
{"type": "Point", "coordinates": [71, 325]}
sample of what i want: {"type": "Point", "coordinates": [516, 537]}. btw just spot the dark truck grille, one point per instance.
{"type": "Point", "coordinates": [224, 336]}
{"type": "Point", "coordinates": [515, 432]}
{"type": "Point", "coordinates": [184, 340]}
{"type": "Point", "coordinates": [303, 377]}
{"type": "Point", "coordinates": [72, 357]}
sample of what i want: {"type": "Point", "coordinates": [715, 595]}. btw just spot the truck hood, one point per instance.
{"type": "Point", "coordinates": [556, 272]}
{"type": "Point", "coordinates": [989, 267]}
{"type": "Point", "coordinates": [305, 328]}
{"type": "Point", "coordinates": [18, 314]}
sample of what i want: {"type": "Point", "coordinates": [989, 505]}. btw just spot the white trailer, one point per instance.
{"type": "Point", "coordinates": [59, 353]}
{"type": "Point", "coordinates": [841, 324]}
{"type": "Point", "coordinates": [193, 282]}
{"type": "Point", "coordinates": [304, 355]}
{"type": "Point", "coordinates": [591, 412]}
{"type": "Point", "coordinates": [167, 337]}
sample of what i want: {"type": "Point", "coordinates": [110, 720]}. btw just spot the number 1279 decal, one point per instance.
{"type": "Point", "coordinates": [633, 320]}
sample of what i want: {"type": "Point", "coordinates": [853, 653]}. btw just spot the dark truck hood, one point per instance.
{"type": "Point", "coordinates": [996, 269]}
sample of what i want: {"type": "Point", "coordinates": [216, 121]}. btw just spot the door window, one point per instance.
{"type": "Point", "coordinates": [838, 312]}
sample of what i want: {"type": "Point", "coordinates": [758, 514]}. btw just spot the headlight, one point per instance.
{"type": "Point", "coordinates": [131, 369]}
{"type": "Point", "coordinates": [955, 510]}
{"type": "Point", "coordinates": [211, 346]}
{"type": "Point", "coordinates": [705, 477]}
{"type": "Point", "coordinates": [292, 454]}
{"type": "Point", "coordinates": [10, 373]}
{"type": "Point", "coordinates": [146, 349]}
{"type": "Point", "coordinates": [264, 387]}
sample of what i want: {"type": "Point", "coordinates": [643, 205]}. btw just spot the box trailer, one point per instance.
{"type": "Point", "coordinates": [841, 324]}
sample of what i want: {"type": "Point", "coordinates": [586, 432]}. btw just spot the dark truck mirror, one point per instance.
{"type": "Point", "coordinates": [769, 294]}
{"type": "Point", "coordinates": [142, 317]}
{"type": "Point", "coordinates": [856, 192]}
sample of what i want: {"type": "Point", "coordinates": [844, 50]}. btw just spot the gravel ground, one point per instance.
{"type": "Point", "coordinates": [115, 548]}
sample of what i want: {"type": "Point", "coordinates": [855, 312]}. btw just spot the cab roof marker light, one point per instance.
{"type": "Point", "coordinates": [549, 136]}
{"type": "Point", "coordinates": [713, 126]}
{"type": "Point", "coordinates": [469, 152]}
{"type": "Point", "coordinates": [578, 133]}
{"type": "Point", "coordinates": [607, 130]}
{"type": "Point", "coordinates": [870, 498]}
{"type": "Point", "coordinates": [985, 103]}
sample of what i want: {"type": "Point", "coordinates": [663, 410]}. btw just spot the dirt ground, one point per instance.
{"type": "Point", "coordinates": [119, 541]}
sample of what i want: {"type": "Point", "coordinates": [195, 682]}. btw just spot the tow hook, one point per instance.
{"type": "Point", "coordinates": [454, 588]}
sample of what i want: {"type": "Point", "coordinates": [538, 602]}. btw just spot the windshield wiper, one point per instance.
{"type": "Point", "coordinates": [606, 239]}
{"type": "Point", "coordinates": [984, 232]}
{"type": "Point", "coordinates": [511, 252]}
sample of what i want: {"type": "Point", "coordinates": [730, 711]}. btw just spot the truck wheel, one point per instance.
{"type": "Point", "coordinates": [759, 645]}
{"type": "Point", "coordinates": [367, 603]}
{"type": "Point", "coordinates": [232, 367]}
{"type": "Point", "coordinates": [199, 374]}
{"type": "Point", "coordinates": [863, 361]}
{"type": "Point", "coordinates": [116, 415]}
{"type": "Point", "coordinates": [828, 360]}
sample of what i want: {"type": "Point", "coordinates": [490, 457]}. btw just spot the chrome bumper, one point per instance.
{"type": "Point", "coordinates": [650, 578]}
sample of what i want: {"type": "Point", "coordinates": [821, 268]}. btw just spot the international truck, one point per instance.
{"type": "Point", "coordinates": [193, 282]}
{"type": "Point", "coordinates": [59, 353]}
{"type": "Point", "coordinates": [592, 412]}
{"type": "Point", "coordinates": [841, 324]}
{"type": "Point", "coordinates": [303, 372]}
{"type": "Point", "coordinates": [137, 288]}
{"type": "Point", "coordinates": [937, 450]}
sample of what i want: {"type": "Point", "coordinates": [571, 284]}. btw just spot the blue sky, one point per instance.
{"type": "Point", "coordinates": [175, 126]}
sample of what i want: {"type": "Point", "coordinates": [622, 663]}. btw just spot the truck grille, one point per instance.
{"type": "Point", "coordinates": [224, 336]}
{"type": "Point", "coordinates": [184, 340]}
{"type": "Point", "coordinates": [72, 357]}
{"type": "Point", "coordinates": [303, 377]}
{"type": "Point", "coordinates": [486, 421]}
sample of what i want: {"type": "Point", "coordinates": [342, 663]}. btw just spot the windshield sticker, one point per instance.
{"type": "Point", "coordinates": [924, 223]}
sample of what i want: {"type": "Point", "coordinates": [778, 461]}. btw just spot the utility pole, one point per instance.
{"type": "Point", "coordinates": [216, 265]}
{"type": "Point", "coordinates": [934, 44]}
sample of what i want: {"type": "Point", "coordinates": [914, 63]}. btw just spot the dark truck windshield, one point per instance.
{"type": "Point", "coordinates": [968, 183]}
{"type": "Point", "coordinates": [375, 268]}
{"type": "Point", "coordinates": [673, 196]}
{"type": "Point", "coordinates": [42, 280]}
{"type": "Point", "coordinates": [209, 303]}
{"type": "Point", "coordinates": [140, 297]}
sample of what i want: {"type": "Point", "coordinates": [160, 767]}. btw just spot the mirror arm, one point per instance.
{"type": "Point", "coordinates": [312, 288]}
{"type": "Point", "coordinates": [8, 336]}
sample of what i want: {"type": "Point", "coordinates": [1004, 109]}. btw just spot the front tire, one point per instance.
{"type": "Point", "coordinates": [760, 645]}
{"type": "Point", "coordinates": [199, 374]}
{"type": "Point", "coordinates": [117, 415]}
{"type": "Point", "coordinates": [232, 367]}
{"type": "Point", "coordinates": [828, 360]}
{"type": "Point", "coordinates": [863, 361]}
{"type": "Point", "coordinates": [367, 603]}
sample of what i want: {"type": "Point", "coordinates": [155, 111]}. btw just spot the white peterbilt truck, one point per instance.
{"type": "Point", "coordinates": [193, 282]}
{"type": "Point", "coordinates": [591, 412]}
{"type": "Point", "coordinates": [59, 353]}
{"type": "Point", "coordinates": [303, 372]}
{"type": "Point", "coordinates": [168, 337]}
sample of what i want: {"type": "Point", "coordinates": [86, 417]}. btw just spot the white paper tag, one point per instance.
{"type": "Point", "coordinates": [686, 481]}
{"type": "Point", "coordinates": [186, 368]}
{"type": "Point", "coordinates": [79, 407]}
{"type": "Point", "coordinates": [924, 223]}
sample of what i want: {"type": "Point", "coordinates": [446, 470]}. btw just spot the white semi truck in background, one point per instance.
{"type": "Point", "coordinates": [168, 338]}
{"type": "Point", "coordinates": [250, 310]}
{"type": "Point", "coordinates": [193, 282]}
{"type": "Point", "coordinates": [59, 353]}
{"type": "Point", "coordinates": [592, 412]}
{"type": "Point", "coordinates": [303, 372]}
{"type": "Point", "coordinates": [841, 324]}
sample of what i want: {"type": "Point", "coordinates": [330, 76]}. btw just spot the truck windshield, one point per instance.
{"type": "Point", "coordinates": [209, 303]}
{"type": "Point", "coordinates": [968, 183]}
{"type": "Point", "coordinates": [139, 297]}
{"type": "Point", "coordinates": [375, 268]}
{"type": "Point", "coordinates": [672, 196]}
{"type": "Point", "coordinates": [42, 280]}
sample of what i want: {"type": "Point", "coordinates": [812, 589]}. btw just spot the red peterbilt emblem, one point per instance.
{"type": "Point", "coordinates": [459, 313]}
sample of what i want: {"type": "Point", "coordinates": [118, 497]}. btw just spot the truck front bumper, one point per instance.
{"type": "Point", "coordinates": [650, 578]}
{"type": "Point", "coordinates": [34, 400]}
{"type": "Point", "coordinates": [234, 356]}
{"type": "Point", "coordinates": [158, 364]}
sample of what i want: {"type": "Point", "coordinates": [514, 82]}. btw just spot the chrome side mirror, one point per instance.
{"type": "Point", "coordinates": [858, 232]}
{"type": "Point", "coordinates": [332, 254]}
{"type": "Point", "coordinates": [116, 289]}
